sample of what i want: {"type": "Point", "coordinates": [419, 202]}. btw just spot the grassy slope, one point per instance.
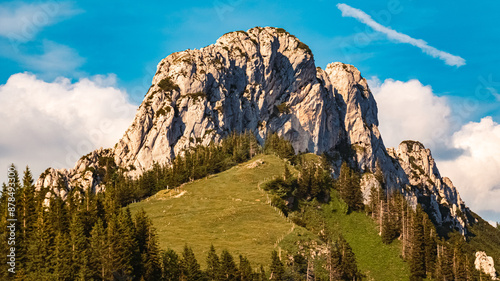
{"type": "Point", "coordinates": [376, 260]}
{"type": "Point", "coordinates": [226, 210]}
{"type": "Point", "coordinates": [229, 211]}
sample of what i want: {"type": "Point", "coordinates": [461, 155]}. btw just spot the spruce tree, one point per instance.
{"type": "Point", "coordinates": [348, 266]}
{"type": "Point", "coordinates": [245, 269]}
{"type": "Point", "coordinates": [447, 264]}
{"type": "Point", "coordinates": [26, 219]}
{"type": "Point", "coordinates": [300, 264]}
{"type": "Point", "coordinates": [417, 260]}
{"type": "Point", "coordinates": [228, 268]}
{"type": "Point", "coordinates": [99, 252]}
{"type": "Point", "coordinates": [262, 274]}
{"type": "Point", "coordinates": [277, 268]}
{"type": "Point", "coordinates": [122, 244]}
{"type": "Point", "coordinates": [63, 258]}
{"type": "Point", "coordinates": [80, 253]}
{"type": "Point", "coordinates": [213, 265]}
{"type": "Point", "coordinates": [472, 272]}
{"type": "Point", "coordinates": [430, 246]}
{"type": "Point", "coordinates": [190, 268]}
{"type": "Point", "coordinates": [389, 232]}
{"type": "Point", "coordinates": [148, 265]}
{"type": "Point", "coordinates": [349, 188]}
{"type": "Point", "coordinates": [334, 261]}
{"type": "Point", "coordinates": [170, 266]}
{"type": "Point", "coordinates": [41, 248]}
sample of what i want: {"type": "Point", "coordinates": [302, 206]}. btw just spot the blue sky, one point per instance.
{"type": "Point", "coordinates": [117, 44]}
{"type": "Point", "coordinates": [129, 38]}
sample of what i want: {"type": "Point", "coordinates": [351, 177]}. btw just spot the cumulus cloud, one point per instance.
{"type": "Point", "coordinates": [476, 170]}
{"type": "Point", "coordinates": [22, 21]}
{"type": "Point", "coordinates": [449, 59]}
{"type": "Point", "coordinates": [410, 110]}
{"type": "Point", "coordinates": [55, 123]}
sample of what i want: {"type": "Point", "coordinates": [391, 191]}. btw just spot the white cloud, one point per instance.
{"type": "Point", "coordinates": [410, 111]}
{"type": "Point", "coordinates": [22, 22]}
{"type": "Point", "coordinates": [46, 58]}
{"type": "Point", "coordinates": [475, 172]}
{"type": "Point", "coordinates": [55, 60]}
{"type": "Point", "coordinates": [449, 59]}
{"type": "Point", "coordinates": [19, 25]}
{"type": "Point", "coordinates": [53, 124]}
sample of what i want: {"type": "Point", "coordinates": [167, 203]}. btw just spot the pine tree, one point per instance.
{"type": "Point", "coordinates": [430, 246]}
{"type": "Point", "coordinates": [41, 247]}
{"type": "Point", "coordinates": [472, 273]}
{"type": "Point", "coordinates": [348, 266]}
{"type": "Point", "coordinates": [447, 264]}
{"type": "Point", "coordinates": [374, 201]}
{"type": "Point", "coordinates": [213, 264]}
{"type": "Point", "coordinates": [148, 264]}
{"type": "Point", "coordinates": [389, 232]}
{"type": "Point", "coordinates": [80, 253]}
{"type": "Point", "coordinates": [298, 268]}
{"type": "Point", "coordinates": [26, 219]}
{"type": "Point", "coordinates": [245, 269]}
{"type": "Point", "coordinates": [99, 251]}
{"type": "Point", "coordinates": [62, 257]}
{"type": "Point", "coordinates": [123, 249]}
{"type": "Point", "coordinates": [190, 268]}
{"type": "Point", "coordinates": [349, 188]}
{"type": "Point", "coordinates": [170, 266]}
{"type": "Point", "coordinates": [262, 274]}
{"type": "Point", "coordinates": [228, 268]}
{"type": "Point", "coordinates": [57, 215]}
{"type": "Point", "coordinates": [334, 261]}
{"type": "Point", "coordinates": [417, 259]}
{"type": "Point", "coordinates": [277, 268]}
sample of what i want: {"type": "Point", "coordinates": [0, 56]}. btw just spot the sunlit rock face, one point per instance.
{"type": "Point", "coordinates": [265, 80]}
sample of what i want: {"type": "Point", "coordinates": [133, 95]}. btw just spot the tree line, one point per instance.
{"type": "Point", "coordinates": [428, 254]}
{"type": "Point", "coordinates": [92, 237]}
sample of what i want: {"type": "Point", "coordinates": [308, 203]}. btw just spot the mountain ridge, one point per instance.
{"type": "Point", "coordinates": [265, 81]}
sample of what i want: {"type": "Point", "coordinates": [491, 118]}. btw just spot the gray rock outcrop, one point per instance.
{"type": "Point", "coordinates": [485, 264]}
{"type": "Point", "coordinates": [264, 80]}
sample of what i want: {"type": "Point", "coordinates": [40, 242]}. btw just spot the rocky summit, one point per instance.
{"type": "Point", "coordinates": [265, 80]}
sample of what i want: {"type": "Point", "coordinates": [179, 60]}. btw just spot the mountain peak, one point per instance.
{"type": "Point", "coordinates": [264, 81]}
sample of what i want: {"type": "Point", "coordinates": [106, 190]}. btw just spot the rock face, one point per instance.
{"type": "Point", "coordinates": [485, 264]}
{"type": "Point", "coordinates": [437, 195]}
{"type": "Point", "coordinates": [246, 81]}
{"type": "Point", "coordinates": [85, 176]}
{"type": "Point", "coordinates": [265, 80]}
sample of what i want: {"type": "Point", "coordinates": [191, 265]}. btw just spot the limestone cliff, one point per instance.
{"type": "Point", "coordinates": [437, 195]}
{"type": "Point", "coordinates": [265, 80]}
{"type": "Point", "coordinates": [485, 264]}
